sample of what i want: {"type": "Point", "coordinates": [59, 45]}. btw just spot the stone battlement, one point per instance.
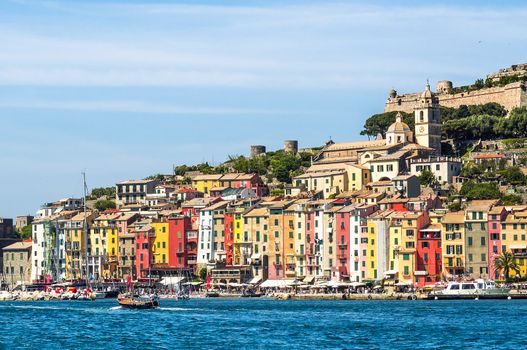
{"type": "Point", "coordinates": [509, 96]}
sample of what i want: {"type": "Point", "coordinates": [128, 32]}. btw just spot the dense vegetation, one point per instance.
{"type": "Point", "coordinates": [25, 232]}
{"type": "Point", "coordinates": [280, 165]}
{"type": "Point", "coordinates": [487, 190]}
{"type": "Point", "coordinates": [485, 122]}
{"type": "Point", "coordinates": [488, 83]}
{"type": "Point", "coordinates": [96, 193]}
{"type": "Point", "coordinates": [379, 123]}
{"type": "Point", "coordinates": [104, 204]}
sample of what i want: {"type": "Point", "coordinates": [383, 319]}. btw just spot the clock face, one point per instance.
{"type": "Point", "coordinates": [421, 128]}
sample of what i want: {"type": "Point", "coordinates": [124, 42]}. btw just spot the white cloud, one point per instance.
{"type": "Point", "coordinates": [316, 46]}
{"type": "Point", "coordinates": [131, 106]}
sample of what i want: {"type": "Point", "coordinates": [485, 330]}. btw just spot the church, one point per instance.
{"type": "Point", "coordinates": [380, 159]}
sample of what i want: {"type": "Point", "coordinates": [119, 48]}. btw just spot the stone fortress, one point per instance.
{"type": "Point", "coordinates": [509, 96]}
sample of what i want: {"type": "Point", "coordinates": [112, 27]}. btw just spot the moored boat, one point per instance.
{"type": "Point", "coordinates": [478, 289]}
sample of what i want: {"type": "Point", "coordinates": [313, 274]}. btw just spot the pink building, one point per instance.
{"type": "Point", "coordinates": [496, 215]}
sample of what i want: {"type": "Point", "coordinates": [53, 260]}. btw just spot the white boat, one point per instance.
{"type": "Point", "coordinates": [478, 289]}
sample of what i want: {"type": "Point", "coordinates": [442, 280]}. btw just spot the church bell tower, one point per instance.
{"type": "Point", "coordinates": [428, 121]}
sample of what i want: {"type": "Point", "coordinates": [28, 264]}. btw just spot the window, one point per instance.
{"type": "Point", "coordinates": [469, 241]}
{"type": "Point", "coordinates": [483, 241]}
{"type": "Point", "coordinates": [406, 256]}
{"type": "Point", "coordinates": [406, 271]}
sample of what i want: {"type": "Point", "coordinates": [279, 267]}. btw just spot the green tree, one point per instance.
{"type": "Point", "coordinates": [427, 178]}
{"type": "Point", "coordinates": [484, 190]}
{"type": "Point", "coordinates": [158, 177]}
{"type": "Point", "coordinates": [25, 232]}
{"type": "Point", "coordinates": [505, 263]}
{"type": "Point", "coordinates": [104, 204]}
{"type": "Point", "coordinates": [513, 175]}
{"type": "Point", "coordinates": [512, 199]}
{"type": "Point", "coordinates": [202, 274]}
{"type": "Point", "coordinates": [379, 123]}
{"type": "Point", "coordinates": [99, 192]}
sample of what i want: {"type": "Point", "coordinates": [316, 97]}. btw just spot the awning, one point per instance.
{"type": "Point", "coordinates": [255, 256]}
{"type": "Point", "coordinates": [403, 284]}
{"type": "Point", "coordinates": [391, 272]}
{"type": "Point", "coordinates": [357, 284]}
{"type": "Point", "coordinates": [421, 273]}
{"type": "Point", "coordinates": [277, 283]}
{"type": "Point", "coordinates": [309, 279]}
{"type": "Point", "coordinates": [519, 246]}
{"type": "Point", "coordinates": [255, 280]}
{"type": "Point", "coordinates": [169, 281]}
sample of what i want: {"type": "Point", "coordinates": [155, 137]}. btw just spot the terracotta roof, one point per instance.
{"type": "Point", "coordinates": [207, 177]}
{"type": "Point", "coordinates": [354, 145]}
{"type": "Point", "coordinates": [488, 156]}
{"type": "Point", "coordinates": [24, 245]}
{"type": "Point", "coordinates": [135, 182]}
{"type": "Point", "coordinates": [254, 212]}
{"type": "Point", "coordinates": [454, 218]}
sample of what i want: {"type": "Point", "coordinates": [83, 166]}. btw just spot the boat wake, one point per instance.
{"type": "Point", "coordinates": [176, 309]}
{"type": "Point", "coordinates": [116, 308]}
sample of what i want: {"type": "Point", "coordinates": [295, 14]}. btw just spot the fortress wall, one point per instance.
{"type": "Point", "coordinates": [509, 96]}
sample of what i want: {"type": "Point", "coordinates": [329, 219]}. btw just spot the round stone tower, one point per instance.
{"type": "Point", "coordinates": [291, 146]}
{"type": "Point", "coordinates": [257, 150]}
{"type": "Point", "coordinates": [444, 87]}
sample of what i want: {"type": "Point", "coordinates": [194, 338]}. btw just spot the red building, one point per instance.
{"type": "Point", "coordinates": [396, 204]}
{"type": "Point", "coordinates": [496, 215]}
{"type": "Point", "coordinates": [428, 267]}
{"type": "Point", "coordinates": [144, 237]}
{"type": "Point", "coordinates": [343, 244]}
{"type": "Point", "coordinates": [183, 240]}
{"type": "Point", "coordinates": [228, 237]}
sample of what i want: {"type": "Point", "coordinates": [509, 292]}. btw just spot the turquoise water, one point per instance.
{"type": "Point", "coordinates": [265, 323]}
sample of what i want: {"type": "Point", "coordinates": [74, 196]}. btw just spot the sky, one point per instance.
{"type": "Point", "coordinates": [126, 89]}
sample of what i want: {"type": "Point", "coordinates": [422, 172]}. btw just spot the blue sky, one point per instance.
{"type": "Point", "coordinates": [125, 89]}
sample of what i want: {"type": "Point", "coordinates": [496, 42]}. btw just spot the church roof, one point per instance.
{"type": "Point", "coordinates": [427, 93]}
{"type": "Point", "coordinates": [399, 125]}
{"type": "Point", "coordinates": [354, 145]}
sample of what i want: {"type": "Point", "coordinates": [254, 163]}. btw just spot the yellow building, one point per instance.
{"type": "Point", "coordinates": [104, 245]}
{"type": "Point", "coordinates": [395, 242]}
{"type": "Point", "coordinates": [298, 211]}
{"type": "Point", "coordinates": [453, 243]}
{"type": "Point", "coordinates": [289, 241]}
{"type": "Point", "coordinates": [514, 238]}
{"type": "Point", "coordinates": [204, 183]}
{"type": "Point", "coordinates": [238, 236]}
{"type": "Point", "coordinates": [333, 179]}
{"type": "Point", "coordinates": [256, 244]}
{"type": "Point", "coordinates": [75, 245]}
{"type": "Point", "coordinates": [160, 251]}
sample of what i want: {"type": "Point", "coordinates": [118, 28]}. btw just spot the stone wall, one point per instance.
{"type": "Point", "coordinates": [509, 96]}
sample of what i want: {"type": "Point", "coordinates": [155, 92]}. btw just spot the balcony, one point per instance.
{"type": "Point", "coordinates": [343, 245]}
{"type": "Point", "coordinates": [290, 267]}
{"type": "Point", "coordinates": [342, 257]}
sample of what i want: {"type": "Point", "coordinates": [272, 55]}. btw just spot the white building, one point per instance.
{"type": "Point", "coordinates": [206, 253]}
{"type": "Point", "coordinates": [443, 168]}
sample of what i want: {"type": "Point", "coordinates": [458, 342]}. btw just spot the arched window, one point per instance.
{"type": "Point", "coordinates": [421, 116]}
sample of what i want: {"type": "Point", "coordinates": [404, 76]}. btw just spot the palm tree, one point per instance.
{"type": "Point", "coordinates": [506, 263]}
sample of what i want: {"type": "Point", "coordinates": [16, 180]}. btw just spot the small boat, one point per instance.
{"type": "Point", "coordinates": [249, 293]}
{"type": "Point", "coordinates": [138, 303]}
{"type": "Point", "coordinates": [212, 295]}
{"type": "Point", "coordinates": [478, 289]}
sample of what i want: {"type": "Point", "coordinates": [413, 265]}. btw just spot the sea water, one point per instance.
{"type": "Point", "coordinates": [264, 323]}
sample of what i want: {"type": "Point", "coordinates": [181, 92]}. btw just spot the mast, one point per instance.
{"type": "Point", "coordinates": [85, 227]}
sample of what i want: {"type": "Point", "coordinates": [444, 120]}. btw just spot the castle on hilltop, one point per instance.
{"type": "Point", "coordinates": [509, 96]}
